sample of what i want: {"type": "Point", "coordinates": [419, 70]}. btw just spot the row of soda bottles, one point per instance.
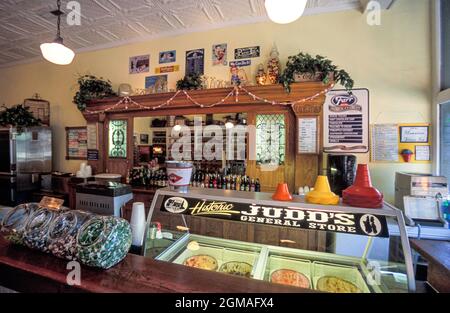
{"type": "Point", "coordinates": [218, 180]}
{"type": "Point", "coordinates": [202, 179]}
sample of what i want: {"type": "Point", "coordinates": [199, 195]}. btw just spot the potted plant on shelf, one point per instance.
{"type": "Point", "coordinates": [18, 116]}
{"type": "Point", "coordinates": [190, 82]}
{"type": "Point", "coordinates": [304, 67]}
{"type": "Point", "coordinates": [91, 88]}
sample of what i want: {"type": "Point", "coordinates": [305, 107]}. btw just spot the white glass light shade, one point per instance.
{"type": "Point", "coordinates": [57, 53]}
{"type": "Point", "coordinates": [285, 11]}
{"type": "Point", "coordinates": [229, 125]}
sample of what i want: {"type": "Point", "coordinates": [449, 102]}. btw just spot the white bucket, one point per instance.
{"type": "Point", "coordinates": [179, 175]}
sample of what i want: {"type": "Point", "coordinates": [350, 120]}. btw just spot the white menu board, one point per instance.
{"type": "Point", "coordinates": [346, 121]}
{"type": "Point", "coordinates": [385, 143]}
{"type": "Point", "coordinates": [307, 135]}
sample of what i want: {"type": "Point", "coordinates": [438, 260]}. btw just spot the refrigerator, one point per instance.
{"type": "Point", "coordinates": [24, 156]}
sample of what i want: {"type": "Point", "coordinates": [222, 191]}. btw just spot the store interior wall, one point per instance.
{"type": "Point", "coordinates": [392, 60]}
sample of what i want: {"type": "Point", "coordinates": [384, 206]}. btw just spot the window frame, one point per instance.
{"type": "Point", "coordinates": [439, 96]}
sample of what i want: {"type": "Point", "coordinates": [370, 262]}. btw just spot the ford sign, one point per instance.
{"type": "Point", "coordinates": [344, 99]}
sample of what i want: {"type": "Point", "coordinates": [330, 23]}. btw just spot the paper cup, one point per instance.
{"type": "Point", "coordinates": [179, 175]}
{"type": "Point", "coordinates": [138, 223]}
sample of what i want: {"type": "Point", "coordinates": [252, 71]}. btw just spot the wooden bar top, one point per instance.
{"type": "Point", "coordinates": [437, 253]}
{"type": "Point", "coordinates": [146, 190]}
{"type": "Point", "coordinates": [22, 269]}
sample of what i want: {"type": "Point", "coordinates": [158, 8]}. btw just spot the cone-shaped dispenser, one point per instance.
{"type": "Point", "coordinates": [322, 193]}
{"type": "Point", "coordinates": [362, 193]}
{"type": "Point", "coordinates": [282, 193]}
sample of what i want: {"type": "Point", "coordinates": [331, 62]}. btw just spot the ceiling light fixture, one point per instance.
{"type": "Point", "coordinates": [56, 52]}
{"type": "Point", "coordinates": [285, 11]}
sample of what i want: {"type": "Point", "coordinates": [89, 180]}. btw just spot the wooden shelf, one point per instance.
{"type": "Point", "coordinates": [206, 97]}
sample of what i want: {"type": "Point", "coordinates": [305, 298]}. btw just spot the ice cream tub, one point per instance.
{"type": "Point", "coordinates": [179, 175]}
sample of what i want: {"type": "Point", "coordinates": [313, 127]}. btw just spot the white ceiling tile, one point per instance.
{"type": "Point", "coordinates": [25, 24]}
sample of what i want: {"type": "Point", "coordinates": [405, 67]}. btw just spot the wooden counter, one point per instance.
{"type": "Point", "coordinates": [437, 253]}
{"type": "Point", "coordinates": [25, 270]}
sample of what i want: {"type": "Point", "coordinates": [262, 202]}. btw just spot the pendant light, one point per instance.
{"type": "Point", "coordinates": [56, 52]}
{"type": "Point", "coordinates": [285, 11]}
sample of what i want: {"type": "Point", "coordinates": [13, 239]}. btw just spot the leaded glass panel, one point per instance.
{"type": "Point", "coordinates": [270, 139]}
{"type": "Point", "coordinates": [118, 139]}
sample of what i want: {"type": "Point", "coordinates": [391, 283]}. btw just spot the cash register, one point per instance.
{"type": "Point", "coordinates": [420, 197]}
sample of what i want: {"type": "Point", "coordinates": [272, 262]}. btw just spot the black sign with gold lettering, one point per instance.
{"type": "Point", "coordinates": [340, 222]}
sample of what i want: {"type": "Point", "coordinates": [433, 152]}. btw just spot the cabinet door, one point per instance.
{"type": "Point", "coordinates": [119, 148]}
{"type": "Point", "coordinates": [273, 162]}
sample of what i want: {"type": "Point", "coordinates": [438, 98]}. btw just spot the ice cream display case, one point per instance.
{"type": "Point", "coordinates": [325, 248]}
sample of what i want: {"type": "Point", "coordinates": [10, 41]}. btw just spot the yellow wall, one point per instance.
{"type": "Point", "coordinates": [392, 60]}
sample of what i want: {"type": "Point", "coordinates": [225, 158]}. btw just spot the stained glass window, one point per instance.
{"type": "Point", "coordinates": [118, 139]}
{"type": "Point", "coordinates": [270, 139]}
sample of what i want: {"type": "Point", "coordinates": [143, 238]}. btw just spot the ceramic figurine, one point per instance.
{"type": "Point", "coordinates": [235, 79]}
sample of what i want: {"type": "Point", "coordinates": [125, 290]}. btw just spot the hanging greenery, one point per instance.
{"type": "Point", "coordinates": [317, 67]}
{"type": "Point", "coordinates": [18, 116]}
{"type": "Point", "coordinates": [91, 88]}
{"type": "Point", "coordinates": [190, 82]}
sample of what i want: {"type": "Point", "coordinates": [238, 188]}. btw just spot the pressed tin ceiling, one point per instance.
{"type": "Point", "coordinates": [25, 24]}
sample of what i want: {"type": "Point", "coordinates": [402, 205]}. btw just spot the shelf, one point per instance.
{"type": "Point", "coordinates": [275, 93]}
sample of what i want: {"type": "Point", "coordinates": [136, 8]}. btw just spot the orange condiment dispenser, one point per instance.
{"type": "Point", "coordinates": [322, 193]}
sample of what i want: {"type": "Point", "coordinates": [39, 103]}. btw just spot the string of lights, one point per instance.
{"type": "Point", "coordinates": [128, 102]}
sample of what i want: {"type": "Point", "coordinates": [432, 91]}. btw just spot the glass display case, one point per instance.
{"type": "Point", "coordinates": [324, 248]}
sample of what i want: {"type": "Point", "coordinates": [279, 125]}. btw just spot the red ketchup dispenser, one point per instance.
{"type": "Point", "coordinates": [362, 194]}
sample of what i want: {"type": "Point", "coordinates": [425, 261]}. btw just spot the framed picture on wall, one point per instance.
{"type": "Point", "coordinates": [139, 64]}
{"type": "Point", "coordinates": [143, 138]}
{"type": "Point", "coordinates": [167, 57]}
{"type": "Point", "coordinates": [76, 143]}
{"type": "Point", "coordinates": [414, 134]}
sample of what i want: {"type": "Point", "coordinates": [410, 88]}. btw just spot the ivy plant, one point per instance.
{"type": "Point", "coordinates": [92, 88]}
{"type": "Point", "coordinates": [304, 63]}
{"type": "Point", "coordinates": [190, 82]}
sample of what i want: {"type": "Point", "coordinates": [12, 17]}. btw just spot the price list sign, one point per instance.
{"type": "Point", "coordinates": [346, 121]}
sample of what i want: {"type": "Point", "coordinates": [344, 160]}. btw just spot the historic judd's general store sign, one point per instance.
{"type": "Point", "coordinates": [296, 217]}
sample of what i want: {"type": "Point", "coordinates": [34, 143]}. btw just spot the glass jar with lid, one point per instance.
{"type": "Point", "coordinates": [103, 241]}
{"type": "Point", "coordinates": [14, 222]}
{"type": "Point", "coordinates": [63, 232]}
{"type": "Point", "coordinates": [36, 230]}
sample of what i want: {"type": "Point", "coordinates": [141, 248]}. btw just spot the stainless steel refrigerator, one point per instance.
{"type": "Point", "coordinates": [24, 156]}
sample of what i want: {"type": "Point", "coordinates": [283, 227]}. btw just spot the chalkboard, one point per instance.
{"type": "Point", "coordinates": [76, 143]}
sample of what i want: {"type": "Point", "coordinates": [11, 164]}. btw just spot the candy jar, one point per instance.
{"type": "Point", "coordinates": [36, 231]}
{"type": "Point", "coordinates": [63, 232]}
{"type": "Point", "coordinates": [13, 225]}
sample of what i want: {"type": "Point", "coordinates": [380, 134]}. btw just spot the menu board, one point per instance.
{"type": "Point", "coordinates": [307, 135]}
{"type": "Point", "coordinates": [346, 121]}
{"type": "Point", "coordinates": [76, 143]}
{"type": "Point", "coordinates": [385, 143]}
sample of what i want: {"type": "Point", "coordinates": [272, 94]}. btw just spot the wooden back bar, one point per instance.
{"type": "Point", "coordinates": [298, 170]}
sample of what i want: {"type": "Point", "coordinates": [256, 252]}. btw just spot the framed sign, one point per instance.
{"type": "Point", "coordinates": [414, 134]}
{"type": "Point", "coordinates": [346, 121]}
{"type": "Point", "coordinates": [76, 143]}
{"type": "Point", "coordinates": [195, 62]}
{"type": "Point", "coordinates": [308, 138]}
{"type": "Point", "coordinates": [371, 225]}
{"type": "Point", "coordinates": [92, 134]}
{"type": "Point", "coordinates": [423, 153]}
{"type": "Point", "coordinates": [247, 53]}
